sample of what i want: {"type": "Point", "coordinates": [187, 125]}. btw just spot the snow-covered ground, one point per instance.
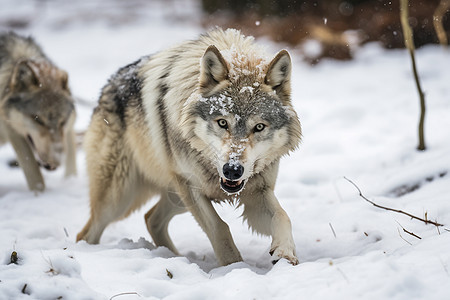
{"type": "Point", "coordinates": [359, 120]}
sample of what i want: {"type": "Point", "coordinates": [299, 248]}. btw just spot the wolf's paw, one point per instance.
{"type": "Point", "coordinates": [286, 252]}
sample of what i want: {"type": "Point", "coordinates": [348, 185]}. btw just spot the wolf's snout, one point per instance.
{"type": "Point", "coordinates": [232, 183]}
{"type": "Point", "coordinates": [50, 167]}
{"type": "Point", "coordinates": [233, 171]}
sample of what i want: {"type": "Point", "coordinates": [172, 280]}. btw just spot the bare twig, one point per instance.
{"type": "Point", "coordinates": [51, 270]}
{"type": "Point", "coordinates": [24, 289]}
{"type": "Point", "coordinates": [403, 237]}
{"type": "Point", "coordinates": [123, 294]}
{"type": "Point", "coordinates": [409, 43]}
{"type": "Point", "coordinates": [14, 258]}
{"type": "Point", "coordinates": [409, 232]}
{"type": "Point", "coordinates": [169, 274]}
{"type": "Point", "coordinates": [332, 229]}
{"type": "Point", "coordinates": [444, 266]}
{"type": "Point", "coordinates": [391, 209]}
{"type": "Point", "coordinates": [343, 275]}
{"type": "Point", "coordinates": [412, 233]}
{"type": "Point", "coordinates": [65, 231]}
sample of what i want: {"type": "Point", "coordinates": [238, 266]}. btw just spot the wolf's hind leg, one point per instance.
{"type": "Point", "coordinates": [27, 162]}
{"type": "Point", "coordinates": [113, 198]}
{"type": "Point", "coordinates": [105, 208]}
{"type": "Point", "coordinates": [159, 216]}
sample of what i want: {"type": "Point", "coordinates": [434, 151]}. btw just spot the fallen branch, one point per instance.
{"type": "Point", "coordinates": [391, 209]}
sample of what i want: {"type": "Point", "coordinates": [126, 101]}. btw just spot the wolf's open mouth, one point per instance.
{"type": "Point", "coordinates": [47, 166]}
{"type": "Point", "coordinates": [30, 140]}
{"type": "Point", "coordinates": [230, 186]}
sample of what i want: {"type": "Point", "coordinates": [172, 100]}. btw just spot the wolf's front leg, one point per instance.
{"type": "Point", "coordinates": [265, 215]}
{"type": "Point", "coordinates": [282, 241]}
{"type": "Point", "coordinates": [27, 162]}
{"type": "Point", "coordinates": [71, 153]}
{"type": "Point", "coordinates": [215, 228]}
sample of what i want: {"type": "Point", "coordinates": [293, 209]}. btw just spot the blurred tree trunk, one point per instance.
{"type": "Point", "coordinates": [438, 21]}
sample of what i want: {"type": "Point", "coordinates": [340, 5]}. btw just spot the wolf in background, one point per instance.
{"type": "Point", "coordinates": [207, 120]}
{"type": "Point", "coordinates": [37, 111]}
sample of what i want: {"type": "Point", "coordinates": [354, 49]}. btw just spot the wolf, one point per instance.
{"type": "Point", "coordinates": [204, 121]}
{"type": "Point", "coordinates": [37, 111]}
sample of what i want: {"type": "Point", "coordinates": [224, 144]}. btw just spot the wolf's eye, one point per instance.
{"type": "Point", "coordinates": [37, 120]}
{"type": "Point", "coordinates": [259, 127]}
{"type": "Point", "coordinates": [222, 123]}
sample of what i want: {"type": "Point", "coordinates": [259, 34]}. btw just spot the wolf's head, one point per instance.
{"type": "Point", "coordinates": [39, 107]}
{"type": "Point", "coordinates": [241, 118]}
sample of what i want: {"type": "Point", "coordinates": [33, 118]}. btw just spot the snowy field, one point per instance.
{"type": "Point", "coordinates": [359, 120]}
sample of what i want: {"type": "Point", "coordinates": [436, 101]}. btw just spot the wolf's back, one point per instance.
{"type": "Point", "coordinates": [158, 86]}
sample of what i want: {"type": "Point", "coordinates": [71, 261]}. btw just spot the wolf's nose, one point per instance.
{"type": "Point", "coordinates": [233, 171]}
{"type": "Point", "coordinates": [49, 167]}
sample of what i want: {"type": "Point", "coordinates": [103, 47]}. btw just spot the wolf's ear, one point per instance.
{"type": "Point", "coordinates": [213, 71]}
{"type": "Point", "coordinates": [64, 80]}
{"type": "Point", "coordinates": [278, 74]}
{"type": "Point", "coordinates": [24, 76]}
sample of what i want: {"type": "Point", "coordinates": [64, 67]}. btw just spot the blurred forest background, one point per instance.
{"type": "Point", "coordinates": [317, 28]}
{"type": "Point", "coordinates": [336, 26]}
